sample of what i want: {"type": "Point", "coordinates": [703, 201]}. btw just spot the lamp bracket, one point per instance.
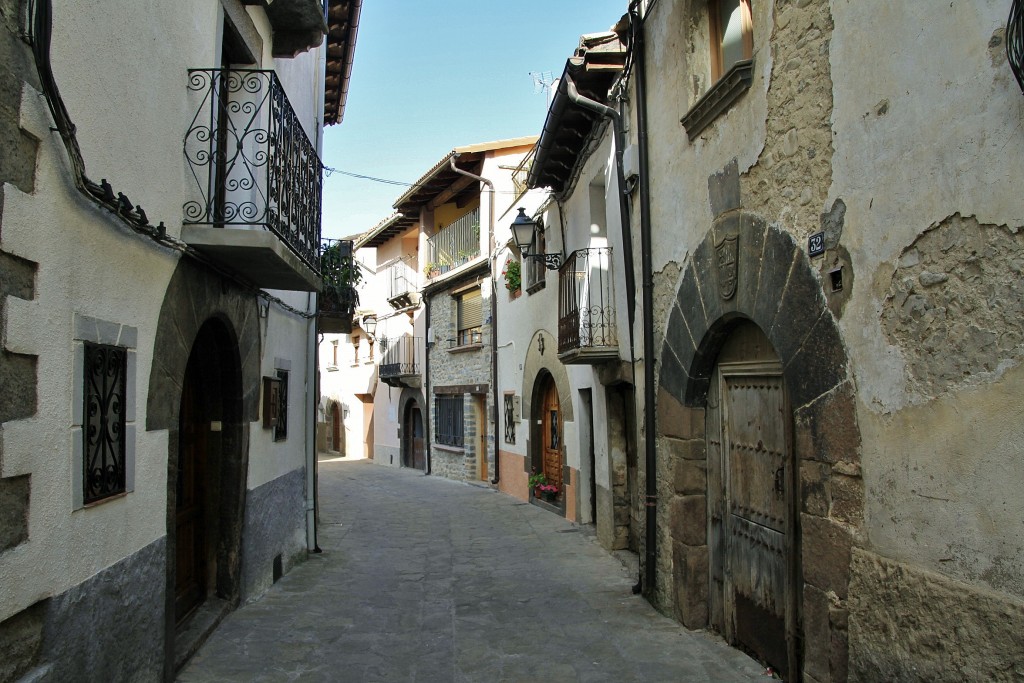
{"type": "Point", "coordinates": [551, 261]}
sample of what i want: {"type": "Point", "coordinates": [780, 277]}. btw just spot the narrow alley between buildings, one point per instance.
{"type": "Point", "coordinates": [426, 579]}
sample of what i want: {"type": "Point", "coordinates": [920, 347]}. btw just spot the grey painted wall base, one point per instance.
{"type": "Point", "coordinates": [110, 627]}
{"type": "Point", "coordinates": [275, 523]}
{"type": "Point", "coordinates": [387, 455]}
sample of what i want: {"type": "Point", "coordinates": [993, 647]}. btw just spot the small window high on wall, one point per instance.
{"type": "Point", "coordinates": [732, 34]}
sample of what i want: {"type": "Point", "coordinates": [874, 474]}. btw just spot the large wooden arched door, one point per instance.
{"type": "Point", "coordinates": [752, 502]}
{"type": "Point", "coordinates": [551, 434]}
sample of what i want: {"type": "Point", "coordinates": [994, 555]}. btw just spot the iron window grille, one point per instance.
{"type": "Point", "coordinates": [250, 159]}
{"type": "Point", "coordinates": [510, 418]}
{"type": "Point", "coordinates": [281, 427]}
{"type": "Point", "coordinates": [448, 426]}
{"type": "Point", "coordinates": [106, 369]}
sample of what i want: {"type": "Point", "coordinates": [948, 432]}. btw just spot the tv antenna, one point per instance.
{"type": "Point", "coordinates": [542, 81]}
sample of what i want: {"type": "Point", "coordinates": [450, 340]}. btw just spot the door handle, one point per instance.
{"type": "Point", "coordinates": [780, 482]}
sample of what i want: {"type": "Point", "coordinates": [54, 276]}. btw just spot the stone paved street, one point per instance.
{"type": "Point", "coordinates": [425, 579]}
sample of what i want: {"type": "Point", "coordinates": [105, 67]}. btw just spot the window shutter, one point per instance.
{"type": "Point", "coordinates": [470, 310]}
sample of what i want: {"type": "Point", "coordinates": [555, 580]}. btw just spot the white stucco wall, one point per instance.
{"type": "Point", "coordinates": [127, 100]}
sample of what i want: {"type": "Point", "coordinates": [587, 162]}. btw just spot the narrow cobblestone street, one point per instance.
{"type": "Point", "coordinates": [425, 579]}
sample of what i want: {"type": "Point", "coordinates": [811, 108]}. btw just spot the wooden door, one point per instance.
{"type": "Point", "coordinates": [335, 427]}
{"type": "Point", "coordinates": [551, 435]}
{"type": "Point", "coordinates": [751, 520]}
{"type": "Point", "coordinates": [419, 455]}
{"type": "Point", "coordinates": [189, 539]}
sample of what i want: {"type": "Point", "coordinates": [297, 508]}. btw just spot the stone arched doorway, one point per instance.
{"type": "Point", "coordinates": [337, 427]}
{"type": "Point", "coordinates": [747, 274]}
{"type": "Point", "coordinates": [414, 452]}
{"type": "Point", "coordinates": [208, 343]}
{"type": "Point", "coordinates": [547, 443]}
{"type": "Point", "coordinates": [208, 492]}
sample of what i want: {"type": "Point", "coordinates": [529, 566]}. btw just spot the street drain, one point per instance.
{"type": "Point", "coordinates": [568, 531]}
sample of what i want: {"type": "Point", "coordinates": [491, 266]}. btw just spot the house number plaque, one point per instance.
{"type": "Point", "coordinates": [816, 244]}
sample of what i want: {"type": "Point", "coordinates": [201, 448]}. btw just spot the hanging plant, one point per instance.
{"type": "Point", "coordinates": [513, 275]}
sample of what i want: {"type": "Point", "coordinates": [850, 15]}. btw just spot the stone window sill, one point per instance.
{"type": "Point", "coordinates": [536, 287]}
{"type": "Point", "coordinates": [465, 349]}
{"type": "Point", "coordinates": [719, 98]}
{"type": "Point", "coordinates": [449, 449]}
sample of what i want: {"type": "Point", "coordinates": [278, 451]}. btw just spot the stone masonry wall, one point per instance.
{"type": "Point", "coordinates": [955, 307]}
{"type": "Point", "coordinates": [17, 276]}
{"type": "Point", "coordinates": [451, 366]}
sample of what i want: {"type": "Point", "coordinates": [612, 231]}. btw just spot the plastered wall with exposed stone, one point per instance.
{"type": "Point", "coordinates": [896, 131]}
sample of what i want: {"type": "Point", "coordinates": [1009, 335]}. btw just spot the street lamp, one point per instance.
{"type": "Point", "coordinates": [369, 324]}
{"type": "Point", "coordinates": [524, 232]}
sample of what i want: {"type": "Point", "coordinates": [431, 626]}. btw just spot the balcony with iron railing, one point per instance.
{"type": "Point", "coordinates": [254, 187]}
{"type": "Point", "coordinates": [402, 285]}
{"type": "Point", "coordinates": [338, 298]}
{"type": "Point", "coordinates": [453, 245]}
{"type": "Point", "coordinates": [402, 363]}
{"type": "Point", "coordinates": [586, 308]}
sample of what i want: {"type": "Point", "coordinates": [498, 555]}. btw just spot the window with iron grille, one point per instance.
{"type": "Point", "coordinates": [510, 418]}
{"type": "Point", "coordinates": [448, 420]}
{"type": "Point", "coordinates": [103, 421]}
{"type": "Point", "coordinates": [281, 428]}
{"type": "Point", "coordinates": [470, 318]}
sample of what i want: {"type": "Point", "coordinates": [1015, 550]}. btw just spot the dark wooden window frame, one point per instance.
{"type": "Point", "coordinates": [449, 427]}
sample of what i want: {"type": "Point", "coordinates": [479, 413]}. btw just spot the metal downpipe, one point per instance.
{"type": "Point", "coordinates": [494, 310]}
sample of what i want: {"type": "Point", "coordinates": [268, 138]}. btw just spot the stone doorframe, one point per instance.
{"type": "Point", "coordinates": [193, 298]}
{"type": "Point", "coordinates": [415, 397]}
{"type": "Point", "coordinates": [538, 363]}
{"type": "Point", "coordinates": [746, 269]}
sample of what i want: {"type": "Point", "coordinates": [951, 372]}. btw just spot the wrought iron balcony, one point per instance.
{"type": "Point", "coordinates": [338, 298]}
{"type": "Point", "coordinates": [402, 362]}
{"type": "Point", "coordinates": [586, 308]}
{"type": "Point", "coordinates": [402, 285]}
{"type": "Point", "coordinates": [255, 179]}
{"type": "Point", "coordinates": [454, 244]}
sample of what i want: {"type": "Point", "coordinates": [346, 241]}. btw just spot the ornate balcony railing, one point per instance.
{"type": "Point", "coordinates": [586, 307]}
{"type": "Point", "coordinates": [403, 359]}
{"type": "Point", "coordinates": [250, 159]}
{"type": "Point", "coordinates": [339, 298]}
{"type": "Point", "coordinates": [454, 244]}
{"type": "Point", "coordinates": [402, 284]}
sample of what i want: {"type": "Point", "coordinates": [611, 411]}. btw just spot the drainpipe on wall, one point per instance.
{"type": "Point", "coordinates": [647, 289]}
{"type": "Point", "coordinates": [312, 397]}
{"type": "Point", "coordinates": [494, 310]}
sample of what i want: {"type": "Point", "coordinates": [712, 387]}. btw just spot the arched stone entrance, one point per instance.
{"type": "Point", "coordinates": [413, 430]}
{"type": "Point", "coordinates": [204, 390]}
{"type": "Point", "coordinates": [547, 445]}
{"type": "Point", "coordinates": [748, 275]}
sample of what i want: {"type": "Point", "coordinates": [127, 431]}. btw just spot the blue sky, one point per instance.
{"type": "Point", "coordinates": [429, 76]}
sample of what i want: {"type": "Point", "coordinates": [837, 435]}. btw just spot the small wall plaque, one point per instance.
{"type": "Point", "coordinates": [816, 244]}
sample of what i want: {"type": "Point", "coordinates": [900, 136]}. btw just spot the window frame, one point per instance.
{"type": "Point", "coordinates": [716, 33]}
{"type": "Point", "coordinates": [449, 420]}
{"type": "Point", "coordinates": [468, 335]}
{"type": "Point", "coordinates": [280, 428]}
{"type": "Point", "coordinates": [97, 332]}
{"type": "Point", "coordinates": [535, 268]}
